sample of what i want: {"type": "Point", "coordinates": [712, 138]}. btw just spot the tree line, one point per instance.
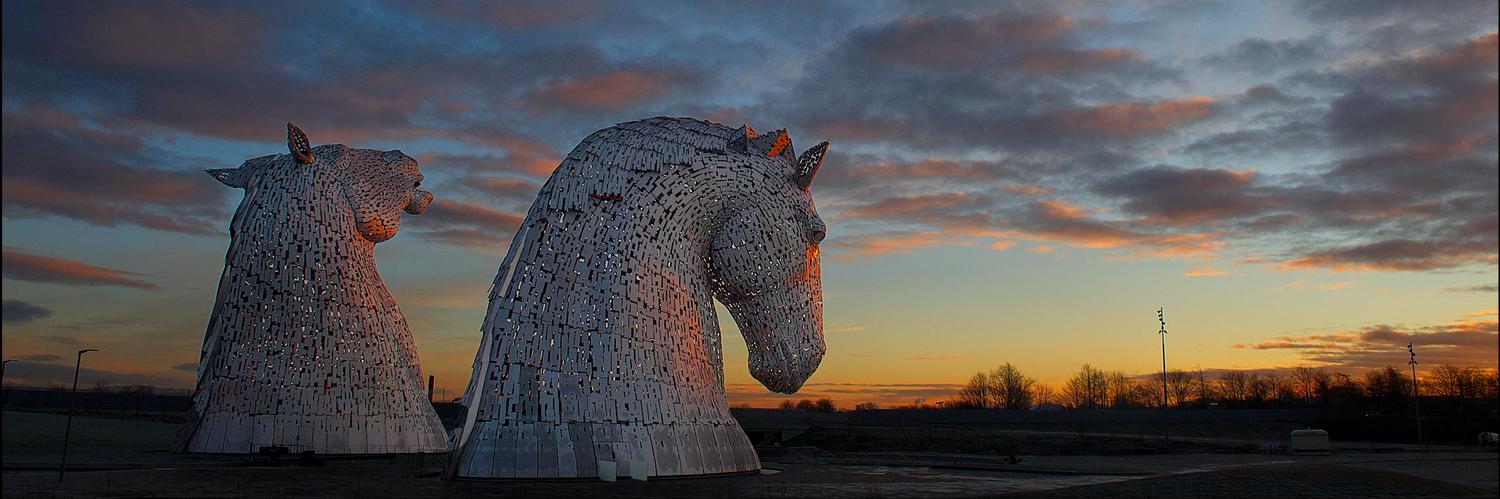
{"type": "Point", "coordinates": [1007, 387]}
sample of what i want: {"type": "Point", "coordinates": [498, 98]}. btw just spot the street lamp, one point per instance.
{"type": "Point", "coordinates": [62, 466]}
{"type": "Point", "coordinates": [2, 380]}
{"type": "Point", "coordinates": [1416, 395]}
{"type": "Point", "coordinates": [1161, 316]}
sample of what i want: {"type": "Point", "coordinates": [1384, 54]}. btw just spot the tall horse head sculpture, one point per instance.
{"type": "Point", "coordinates": [601, 345]}
{"type": "Point", "coordinates": [306, 349]}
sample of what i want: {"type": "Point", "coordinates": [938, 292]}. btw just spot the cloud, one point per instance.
{"type": "Point", "coordinates": [54, 165]}
{"type": "Point", "coordinates": [1477, 288]}
{"type": "Point", "coordinates": [886, 243]}
{"type": "Point", "coordinates": [1464, 342]}
{"type": "Point", "coordinates": [186, 366]}
{"type": "Point", "coordinates": [19, 312]}
{"type": "Point", "coordinates": [1206, 272]}
{"type": "Point", "coordinates": [59, 339]}
{"type": "Point", "coordinates": [31, 267]}
{"type": "Point", "coordinates": [43, 373]}
{"type": "Point", "coordinates": [940, 358]}
{"type": "Point", "coordinates": [41, 357]}
{"type": "Point", "coordinates": [1395, 255]}
{"type": "Point", "coordinates": [465, 224]}
{"type": "Point", "coordinates": [844, 394]}
{"type": "Point", "coordinates": [611, 91]}
{"type": "Point", "coordinates": [1259, 56]}
{"type": "Point", "coordinates": [1139, 117]}
{"type": "Point", "coordinates": [1179, 196]}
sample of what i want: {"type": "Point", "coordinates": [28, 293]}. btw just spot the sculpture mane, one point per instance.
{"type": "Point", "coordinates": [601, 345]}
{"type": "Point", "coordinates": [305, 348]}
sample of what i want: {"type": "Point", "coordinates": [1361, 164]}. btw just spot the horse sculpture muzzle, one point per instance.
{"type": "Point", "coordinates": [420, 199]}
{"type": "Point", "coordinates": [783, 331]}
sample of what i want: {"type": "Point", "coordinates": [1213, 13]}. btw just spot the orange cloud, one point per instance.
{"type": "Point", "coordinates": [926, 168]}
{"type": "Point", "coordinates": [1467, 342]}
{"type": "Point", "coordinates": [1205, 272]}
{"type": "Point", "coordinates": [1071, 60]}
{"type": "Point", "coordinates": [901, 243]}
{"type": "Point", "coordinates": [610, 91]}
{"type": "Point", "coordinates": [1002, 245]}
{"type": "Point", "coordinates": [920, 206]}
{"type": "Point", "coordinates": [1136, 118]}
{"type": "Point", "coordinates": [846, 395]}
{"type": "Point", "coordinates": [1399, 255]}
{"type": "Point", "coordinates": [32, 267]}
{"type": "Point", "coordinates": [944, 357]}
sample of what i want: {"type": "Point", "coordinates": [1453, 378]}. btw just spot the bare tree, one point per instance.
{"type": "Point", "coordinates": [1388, 386]}
{"type": "Point", "coordinates": [1204, 389]}
{"type": "Point", "coordinates": [1010, 388]}
{"type": "Point", "coordinates": [1087, 389]}
{"type": "Point", "coordinates": [1121, 389]}
{"type": "Point", "coordinates": [1234, 385]}
{"type": "Point", "coordinates": [1311, 383]}
{"type": "Point", "coordinates": [976, 393]}
{"type": "Point", "coordinates": [1043, 394]}
{"type": "Point", "coordinates": [1460, 382]}
{"type": "Point", "coordinates": [1180, 386]}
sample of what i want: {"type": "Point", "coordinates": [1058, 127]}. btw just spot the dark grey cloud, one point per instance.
{"type": "Point", "coordinates": [1008, 81]}
{"type": "Point", "coordinates": [41, 373]}
{"type": "Point", "coordinates": [1180, 196]}
{"type": "Point", "coordinates": [55, 165]}
{"type": "Point", "coordinates": [1477, 288]}
{"type": "Point", "coordinates": [1262, 57]}
{"type": "Point", "coordinates": [465, 224]}
{"type": "Point", "coordinates": [20, 312]}
{"type": "Point", "coordinates": [32, 267]}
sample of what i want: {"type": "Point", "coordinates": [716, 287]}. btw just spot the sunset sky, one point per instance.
{"type": "Point", "coordinates": [1298, 184]}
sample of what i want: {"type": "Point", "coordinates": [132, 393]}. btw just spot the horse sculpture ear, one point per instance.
{"type": "Point", "coordinates": [807, 165]}
{"type": "Point", "coordinates": [297, 143]}
{"type": "Point", "coordinates": [740, 142]}
{"type": "Point", "coordinates": [232, 177]}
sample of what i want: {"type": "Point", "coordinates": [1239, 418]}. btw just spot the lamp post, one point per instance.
{"type": "Point", "coordinates": [2, 380]}
{"type": "Point", "coordinates": [1161, 316]}
{"type": "Point", "coordinates": [1416, 394]}
{"type": "Point", "coordinates": [62, 466]}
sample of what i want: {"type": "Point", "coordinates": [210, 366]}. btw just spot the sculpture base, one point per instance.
{"type": "Point", "coordinates": [227, 433]}
{"type": "Point", "coordinates": [521, 450]}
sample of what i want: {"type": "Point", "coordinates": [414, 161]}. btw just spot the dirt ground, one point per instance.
{"type": "Point", "coordinates": [121, 458]}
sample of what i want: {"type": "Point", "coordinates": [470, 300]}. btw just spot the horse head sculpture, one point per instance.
{"type": "Point", "coordinates": [764, 261]}
{"type": "Point", "coordinates": [601, 346]}
{"type": "Point", "coordinates": [305, 348]}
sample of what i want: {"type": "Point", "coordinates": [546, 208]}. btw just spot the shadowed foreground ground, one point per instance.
{"type": "Point", "coordinates": [120, 458]}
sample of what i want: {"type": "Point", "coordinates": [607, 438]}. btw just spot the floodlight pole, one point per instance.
{"type": "Point", "coordinates": [2, 380]}
{"type": "Point", "coordinates": [1416, 394]}
{"type": "Point", "coordinates": [62, 466]}
{"type": "Point", "coordinates": [1165, 402]}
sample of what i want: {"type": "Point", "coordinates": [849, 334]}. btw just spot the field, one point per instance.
{"type": "Point", "coordinates": [113, 457]}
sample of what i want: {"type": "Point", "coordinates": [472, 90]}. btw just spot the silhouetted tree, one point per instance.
{"type": "Point", "coordinates": [1086, 390]}
{"type": "Point", "coordinates": [1459, 382]}
{"type": "Point", "coordinates": [1388, 388]}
